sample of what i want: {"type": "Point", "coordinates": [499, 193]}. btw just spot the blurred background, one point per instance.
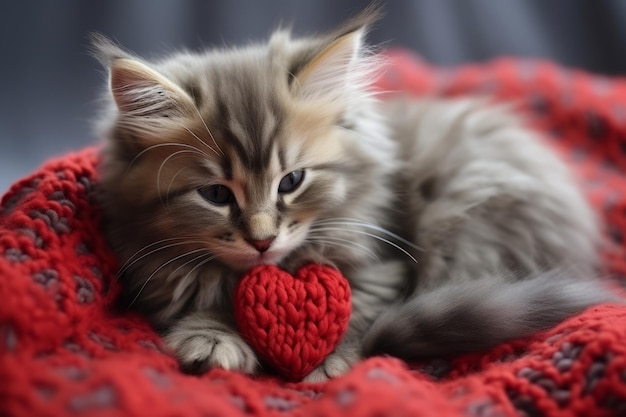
{"type": "Point", "coordinates": [49, 84]}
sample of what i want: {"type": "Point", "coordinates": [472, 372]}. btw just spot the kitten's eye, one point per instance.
{"type": "Point", "coordinates": [219, 195]}
{"type": "Point", "coordinates": [291, 181]}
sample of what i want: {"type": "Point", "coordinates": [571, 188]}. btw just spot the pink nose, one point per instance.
{"type": "Point", "coordinates": [261, 245]}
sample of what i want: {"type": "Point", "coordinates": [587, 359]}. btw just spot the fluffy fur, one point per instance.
{"type": "Point", "coordinates": [456, 227]}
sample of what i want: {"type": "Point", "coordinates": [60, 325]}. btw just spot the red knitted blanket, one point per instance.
{"type": "Point", "coordinates": [64, 351]}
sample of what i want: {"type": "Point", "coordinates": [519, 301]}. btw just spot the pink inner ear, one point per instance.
{"type": "Point", "coordinates": [293, 323]}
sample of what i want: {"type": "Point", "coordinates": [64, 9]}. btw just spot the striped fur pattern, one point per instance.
{"type": "Point", "coordinates": [436, 211]}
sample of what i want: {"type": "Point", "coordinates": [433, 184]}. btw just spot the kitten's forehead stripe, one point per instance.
{"type": "Point", "coordinates": [281, 158]}
{"type": "Point", "coordinates": [224, 116]}
{"type": "Point", "coordinates": [227, 167]}
{"type": "Point", "coordinates": [250, 119]}
{"type": "Point", "coordinates": [238, 145]}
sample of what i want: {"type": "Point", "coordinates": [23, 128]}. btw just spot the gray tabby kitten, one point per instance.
{"type": "Point", "coordinates": [455, 226]}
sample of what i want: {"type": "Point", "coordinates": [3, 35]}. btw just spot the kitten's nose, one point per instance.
{"type": "Point", "coordinates": [261, 245]}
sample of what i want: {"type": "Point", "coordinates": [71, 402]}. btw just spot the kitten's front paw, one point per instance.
{"type": "Point", "coordinates": [335, 364]}
{"type": "Point", "coordinates": [198, 350]}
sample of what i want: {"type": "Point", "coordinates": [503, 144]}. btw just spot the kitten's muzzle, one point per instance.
{"type": "Point", "coordinates": [261, 245]}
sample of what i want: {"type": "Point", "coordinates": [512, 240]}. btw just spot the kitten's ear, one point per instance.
{"type": "Point", "coordinates": [343, 63]}
{"type": "Point", "coordinates": [332, 70]}
{"type": "Point", "coordinates": [138, 90]}
{"type": "Point", "coordinates": [105, 50]}
{"type": "Point", "coordinates": [141, 91]}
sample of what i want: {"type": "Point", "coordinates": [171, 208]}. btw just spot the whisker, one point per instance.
{"type": "Point", "coordinates": [169, 187]}
{"type": "Point", "coordinates": [149, 246]}
{"type": "Point", "coordinates": [183, 282]}
{"type": "Point", "coordinates": [128, 263]}
{"type": "Point", "coordinates": [331, 240]}
{"type": "Point", "coordinates": [173, 273]}
{"type": "Point", "coordinates": [330, 244]}
{"type": "Point", "coordinates": [210, 134]}
{"type": "Point", "coordinates": [209, 259]}
{"type": "Point", "coordinates": [179, 289]}
{"type": "Point", "coordinates": [200, 140]}
{"type": "Point", "coordinates": [158, 178]}
{"type": "Point", "coordinates": [350, 222]}
{"type": "Point", "coordinates": [156, 271]}
{"type": "Point", "coordinates": [159, 145]}
{"type": "Point", "coordinates": [372, 235]}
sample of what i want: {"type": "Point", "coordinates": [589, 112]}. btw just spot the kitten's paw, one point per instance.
{"type": "Point", "coordinates": [335, 364]}
{"type": "Point", "coordinates": [200, 350]}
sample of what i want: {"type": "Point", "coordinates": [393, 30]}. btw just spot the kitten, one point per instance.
{"type": "Point", "coordinates": [455, 226]}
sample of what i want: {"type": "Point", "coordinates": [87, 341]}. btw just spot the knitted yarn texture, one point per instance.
{"type": "Point", "coordinates": [293, 322]}
{"type": "Point", "coordinates": [65, 351]}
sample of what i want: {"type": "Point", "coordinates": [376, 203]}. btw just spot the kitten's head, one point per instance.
{"type": "Point", "coordinates": [238, 152]}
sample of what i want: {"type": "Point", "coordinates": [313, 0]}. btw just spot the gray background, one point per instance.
{"type": "Point", "coordinates": [49, 84]}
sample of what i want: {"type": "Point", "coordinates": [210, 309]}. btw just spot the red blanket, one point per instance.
{"type": "Point", "coordinates": [64, 351]}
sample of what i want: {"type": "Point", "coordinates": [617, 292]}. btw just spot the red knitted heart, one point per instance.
{"type": "Point", "coordinates": [293, 322]}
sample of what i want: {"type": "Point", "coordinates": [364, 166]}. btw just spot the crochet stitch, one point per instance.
{"type": "Point", "coordinates": [65, 351]}
{"type": "Point", "coordinates": [293, 322]}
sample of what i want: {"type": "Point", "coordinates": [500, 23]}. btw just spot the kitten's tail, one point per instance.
{"type": "Point", "coordinates": [478, 314]}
